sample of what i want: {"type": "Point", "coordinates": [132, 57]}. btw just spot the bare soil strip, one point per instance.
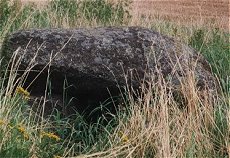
{"type": "Point", "coordinates": [195, 11]}
{"type": "Point", "coordinates": [182, 11]}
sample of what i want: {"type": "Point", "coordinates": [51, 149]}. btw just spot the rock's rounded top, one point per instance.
{"type": "Point", "coordinates": [92, 65]}
{"type": "Point", "coordinates": [110, 55]}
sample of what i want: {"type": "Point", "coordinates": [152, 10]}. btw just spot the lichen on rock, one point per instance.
{"type": "Point", "coordinates": [97, 60]}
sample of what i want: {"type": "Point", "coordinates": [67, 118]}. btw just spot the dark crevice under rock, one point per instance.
{"type": "Point", "coordinates": [63, 94]}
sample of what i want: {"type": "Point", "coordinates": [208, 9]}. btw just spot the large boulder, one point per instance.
{"type": "Point", "coordinates": [97, 63]}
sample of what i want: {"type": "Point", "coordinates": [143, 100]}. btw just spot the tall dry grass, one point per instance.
{"type": "Point", "coordinates": [153, 125]}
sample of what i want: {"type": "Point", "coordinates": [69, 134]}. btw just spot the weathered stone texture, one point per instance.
{"type": "Point", "coordinates": [95, 60]}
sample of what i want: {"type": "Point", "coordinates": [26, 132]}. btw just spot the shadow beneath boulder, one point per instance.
{"type": "Point", "coordinates": [49, 93]}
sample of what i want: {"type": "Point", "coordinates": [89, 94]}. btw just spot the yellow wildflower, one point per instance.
{"type": "Point", "coordinates": [2, 122]}
{"type": "Point", "coordinates": [123, 137]}
{"type": "Point", "coordinates": [22, 130]}
{"type": "Point", "coordinates": [22, 91]}
{"type": "Point", "coordinates": [50, 135]}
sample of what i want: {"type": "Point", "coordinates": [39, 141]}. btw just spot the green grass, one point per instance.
{"type": "Point", "coordinates": [153, 127]}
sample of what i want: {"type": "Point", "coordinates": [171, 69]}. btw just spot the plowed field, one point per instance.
{"type": "Point", "coordinates": [200, 11]}
{"type": "Point", "coordinates": [191, 11]}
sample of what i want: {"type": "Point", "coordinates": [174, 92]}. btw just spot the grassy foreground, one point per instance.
{"type": "Point", "coordinates": [151, 126]}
